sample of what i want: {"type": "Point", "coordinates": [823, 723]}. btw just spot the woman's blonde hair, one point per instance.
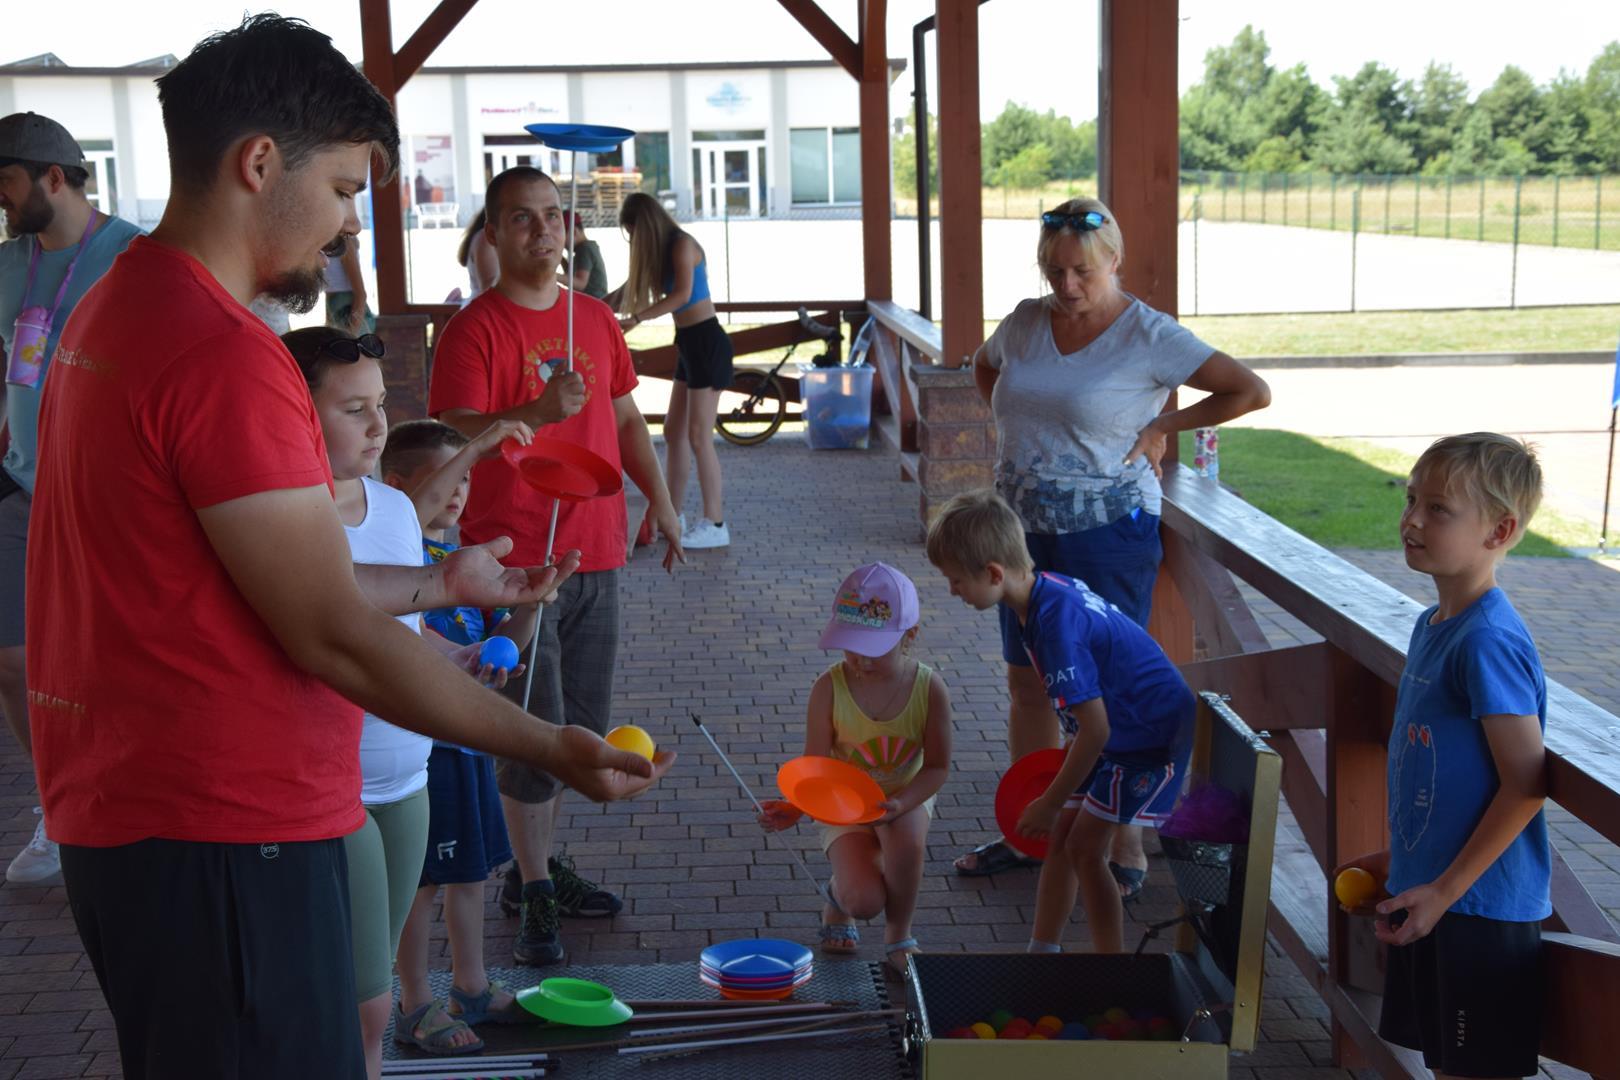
{"type": "Point", "coordinates": [1098, 244]}
{"type": "Point", "coordinates": [652, 242]}
{"type": "Point", "coordinates": [464, 252]}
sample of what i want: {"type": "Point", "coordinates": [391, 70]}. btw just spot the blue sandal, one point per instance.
{"type": "Point", "coordinates": [1130, 880]}
{"type": "Point", "coordinates": [475, 1008]}
{"type": "Point", "coordinates": [431, 1029]}
{"type": "Point", "coordinates": [905, 947]}
{"type": "Point", "coordinates": [840, 939]}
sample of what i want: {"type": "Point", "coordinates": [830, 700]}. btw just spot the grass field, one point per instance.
{"type": "Point", "coordinates": [1343, 493]}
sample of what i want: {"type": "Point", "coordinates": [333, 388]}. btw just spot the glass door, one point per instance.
{"type": "Point", "coordinates": [730, 179]}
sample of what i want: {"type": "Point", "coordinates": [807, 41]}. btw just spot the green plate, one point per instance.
{"type": "Point", "coordinates": [576, 1002]}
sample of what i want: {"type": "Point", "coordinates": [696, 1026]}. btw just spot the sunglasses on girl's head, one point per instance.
{"type": "Point", "coordinates": [1089, 221]}
{"type": "Point", "coordinates": [348, 350]}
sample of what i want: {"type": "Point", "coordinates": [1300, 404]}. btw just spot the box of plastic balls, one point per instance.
{"type": "Point", "coordinates": [1148, 1014]}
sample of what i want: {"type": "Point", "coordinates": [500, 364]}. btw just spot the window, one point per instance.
{"type": "Point", "coordinates": [652, 159]}
{"type": "Point", "coordinates": [102, 187]}
{"type": "Point", "coordinates": [826, 165]}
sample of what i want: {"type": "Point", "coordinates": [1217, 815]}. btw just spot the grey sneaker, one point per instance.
{"type": "Point", "coordinates": [578, 898]}
{"type": "Point", "coordinates": [38, 861]}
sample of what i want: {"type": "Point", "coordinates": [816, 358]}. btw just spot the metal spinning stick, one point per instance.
{"type": "Point", "coordinates": [826, 894]}
{"type": "Point", "coordinates": [573, 138]}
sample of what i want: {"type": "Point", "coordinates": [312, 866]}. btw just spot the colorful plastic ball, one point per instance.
{"type": "Point", "coordinates": [1034, 1035]}
{"type": "Point", "coordinates": [631, 738]}
{"type": "Point", "coordinates": [1116, 1015]}
{"type": "Point", "coordinates": [983, 1030]}
{"type": "Point", "coordinates": [1109, 1030]}
{"type": "Point", "coordinates": [499, 652]}
{"type": "Point", "coordinates": [1048, 1021]}
{"type": "Point", "coordinates": [1074, 1031]}
{"type": "Point", "coordinates": [1016, 1029]}
{"type": "Point", "coordinates": [1000, 1018]}
{"type": "Point", "coordinates": [1095, 1021]}
{"type": "Point", "coordinates": [1355, 887]}
{"type": "Point", "coordinates": [961, 1033]}
{"type": "Point", "coordinates": [1155, 1023]}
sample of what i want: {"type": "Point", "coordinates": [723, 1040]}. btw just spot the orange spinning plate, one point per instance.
{"type": "Point", "coordinates": [831, 791]}
{"type": "Point", "coordinates": [562, 469]}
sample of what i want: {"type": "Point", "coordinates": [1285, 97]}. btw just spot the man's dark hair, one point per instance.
{"type": "Point", "coordinates": [270, 76]}
{"type": "Point", "coordinates": [411, 441]}
{"type": "Point", "coordinates": [517, 174]}
{"type": "Point", "coordinates": [75, 175]}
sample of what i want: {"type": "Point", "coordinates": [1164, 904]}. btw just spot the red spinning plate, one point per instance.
{"type": "Point", "coordinates": [1021, 785]}
{"type": "Point", "coordinates": [562, 469]}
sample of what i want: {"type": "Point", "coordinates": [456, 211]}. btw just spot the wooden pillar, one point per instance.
{"type": "Point", "coordinates": [961, 209]}
{"type": "Point", "coordinates": [876, 208]}
{"type": "Point", "coordinates": [387, 217]}
{"type": "Point", "coordinates": [1360, 707]}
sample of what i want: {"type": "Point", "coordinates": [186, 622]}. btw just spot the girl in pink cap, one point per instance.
{"type": "Point", "coordinates": [886, 712]}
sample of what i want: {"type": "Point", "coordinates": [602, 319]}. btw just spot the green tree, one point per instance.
{"type": "Point", "coordinates": [1073, 146]}
{"type": "Point", "coordinates": [1015, 130]}
{"type": "Point", "coordinates": [1601, 105]}
{"type": "Point", "coordinates": [1512, 104]}
{"type": "Point", "coordinates": [903, 155]}
{"type": "Point", "coordinates": [1030, 168]}
{"type": "Point", "coordinates": [1369, 126]}
{"type": "Point", "coordinates": [1439, 107]}
{"type": "Point", "coordinates": [1276, 154]}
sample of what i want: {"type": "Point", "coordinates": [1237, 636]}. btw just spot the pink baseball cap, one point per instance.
{"type": "Point", "coordinates": [876, 605]}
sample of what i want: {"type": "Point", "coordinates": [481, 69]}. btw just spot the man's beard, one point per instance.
{"type": "Point", "coordinates": [297, 290]}
{"type": "Point", "coordinates": [34, 215]}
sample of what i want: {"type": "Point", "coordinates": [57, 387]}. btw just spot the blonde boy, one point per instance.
{"type": "Point", "coordinates": [1125, 711]}
{"type": "Point", "coordinates": [1468, 863]}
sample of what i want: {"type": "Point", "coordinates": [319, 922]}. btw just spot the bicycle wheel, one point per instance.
{"type": "Point", "coordinates": [752, 409]}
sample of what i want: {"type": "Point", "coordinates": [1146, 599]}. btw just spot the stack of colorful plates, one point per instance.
{"type": "Point", "coordinates": [755, 968]}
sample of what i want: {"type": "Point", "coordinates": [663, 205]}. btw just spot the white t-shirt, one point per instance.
{"type": "Point", "coordinates": [393, 761]}
{"type": "Point", "coordinates": [1064, 423]}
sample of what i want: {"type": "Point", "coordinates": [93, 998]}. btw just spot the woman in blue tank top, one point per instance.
{"type": "Point", "coordinates": [669, 276]}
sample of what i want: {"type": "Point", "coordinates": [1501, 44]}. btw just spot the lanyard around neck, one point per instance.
{"type": "Point", "coordinates": [61, 290]}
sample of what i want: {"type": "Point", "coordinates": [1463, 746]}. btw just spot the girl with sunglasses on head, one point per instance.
{"type": "Point", "coordinates": [386, 856]}
{"type": "Point", "coordinates": [1078, 380]}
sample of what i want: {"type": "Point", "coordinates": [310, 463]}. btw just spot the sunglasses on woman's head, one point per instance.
{"type": "Point", "coordinates": [348, 350]}
{"type": "Point", "coordinates": [1089, 221]}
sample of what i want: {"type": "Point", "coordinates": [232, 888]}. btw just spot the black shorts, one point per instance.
{"type": "Point", "coordinates": [1469, 996]}
{"type": "Point", "coordinates": [703, 356]}
{"type": "Point", "coordinates": [221, 960]}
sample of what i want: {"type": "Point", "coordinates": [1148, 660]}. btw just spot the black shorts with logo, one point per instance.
{"type": "Point", "coordinates": [1469, 996]}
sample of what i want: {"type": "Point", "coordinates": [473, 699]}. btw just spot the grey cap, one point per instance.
{"type": "Point", "coordinates": [29, 136]}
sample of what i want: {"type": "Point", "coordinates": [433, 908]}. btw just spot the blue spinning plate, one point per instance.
{"type": "Point", "coordinates": [756, 957]}
{"type": "Point", "coordinates": [589, 138]}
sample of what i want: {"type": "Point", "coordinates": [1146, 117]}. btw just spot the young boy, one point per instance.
{"type": "Point", "coordinates": [1123, 706]}
{"type": "Point", "coordinates": [467, 838]}
{"type": "Point", "coordinates": [1468, 863]}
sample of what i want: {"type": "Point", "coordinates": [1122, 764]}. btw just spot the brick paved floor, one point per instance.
{"type": "Point", "coordinates": [732, 637]}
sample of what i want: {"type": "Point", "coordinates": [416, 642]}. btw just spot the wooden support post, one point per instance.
{"type": "Point", "coordinates": [876, 208]}
{"type": "Point", "coordinates": [1360, 707]}
{"type": "Point", "coordinates": [387, 216]}
{"type": "Point", "coordinates": [961, 209]}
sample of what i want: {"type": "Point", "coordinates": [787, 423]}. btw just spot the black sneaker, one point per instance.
{"type": "Point", "coordinates": [538, 943]}
{"type": "Point", "coordinates": [511, 899]}
{"type": "Point", "coordinates": [578, 898]}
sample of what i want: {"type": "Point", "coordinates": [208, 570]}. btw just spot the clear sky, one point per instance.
{"type": "Point", "coordinates": [1038, 52]}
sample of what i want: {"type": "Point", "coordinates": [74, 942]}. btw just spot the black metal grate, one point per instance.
{"type": "Point", "coordinates": [872, 1056]}
{"type": "Point", "coordinates": [1205, 871]}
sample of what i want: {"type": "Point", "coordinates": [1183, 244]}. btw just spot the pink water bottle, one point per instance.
{"type": "Point", "coordinates": [1207, 451]}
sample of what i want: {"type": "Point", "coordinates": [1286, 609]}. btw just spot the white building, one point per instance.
{"type": "Point", "coordinates": [714, 139]}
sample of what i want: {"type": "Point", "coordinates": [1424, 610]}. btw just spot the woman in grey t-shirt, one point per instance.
{"type": "Point", "coordinates": [1076, 381]}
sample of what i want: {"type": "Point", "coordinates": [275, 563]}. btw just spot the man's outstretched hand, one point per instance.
{"type": "Point", "coordinates": [474, 577]}
{"type": "Point", "coordinates": [600, 772]}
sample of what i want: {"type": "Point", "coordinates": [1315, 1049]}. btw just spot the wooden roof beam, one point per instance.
{"type": "Point", "coordinates": [824, 30]}
{"type": "Point", "coordinates": [428, 37]}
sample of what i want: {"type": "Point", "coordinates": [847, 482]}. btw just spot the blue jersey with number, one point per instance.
{"type": "Point", "coordinates": [1083, 648]}
{"type": "Point", "coordinates": [1480, 662]}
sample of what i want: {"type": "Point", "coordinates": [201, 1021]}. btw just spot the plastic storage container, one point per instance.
{"type": "Point", "coordinates": [837, 406]}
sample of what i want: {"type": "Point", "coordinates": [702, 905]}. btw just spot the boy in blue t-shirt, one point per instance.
{"type": "Point", "coordinates": [1125, 711]}
{"type": "Point", "coordinates": [1468, 864]}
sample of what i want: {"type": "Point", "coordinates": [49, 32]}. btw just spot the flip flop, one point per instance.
{"type": "Point", "coordinates": [840, 939]}
{"type": "Point", "coordinates": [1130, 877]}
{"type": "Point", "coordinates": [993, 857]}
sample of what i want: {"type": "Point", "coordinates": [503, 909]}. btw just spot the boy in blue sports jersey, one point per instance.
{"type": "Point", "coordinates": [1468, 862]}
{"type": "Point", "coordinates": [1125, 710]}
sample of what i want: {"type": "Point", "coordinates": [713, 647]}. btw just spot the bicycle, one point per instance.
{"type": "Point", "coordinates": [764, 405]}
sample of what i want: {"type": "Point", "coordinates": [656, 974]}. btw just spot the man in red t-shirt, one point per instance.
{"type": "Point", "coordinates": [195, 621]}
{"type": "Point", "coordinates": [503, 356]}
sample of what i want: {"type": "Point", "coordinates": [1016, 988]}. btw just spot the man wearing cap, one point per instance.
{"type": "Point", "coordinates": [62, 245]}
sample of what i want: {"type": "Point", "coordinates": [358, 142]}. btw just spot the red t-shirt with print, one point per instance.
{"type": "Point", "coordinates": [495, 355]}
{"type": "Point", "coordinates": [160, 703]}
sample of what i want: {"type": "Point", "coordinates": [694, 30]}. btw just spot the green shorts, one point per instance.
{"type": "Point", "coordinates": [386, 857]}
